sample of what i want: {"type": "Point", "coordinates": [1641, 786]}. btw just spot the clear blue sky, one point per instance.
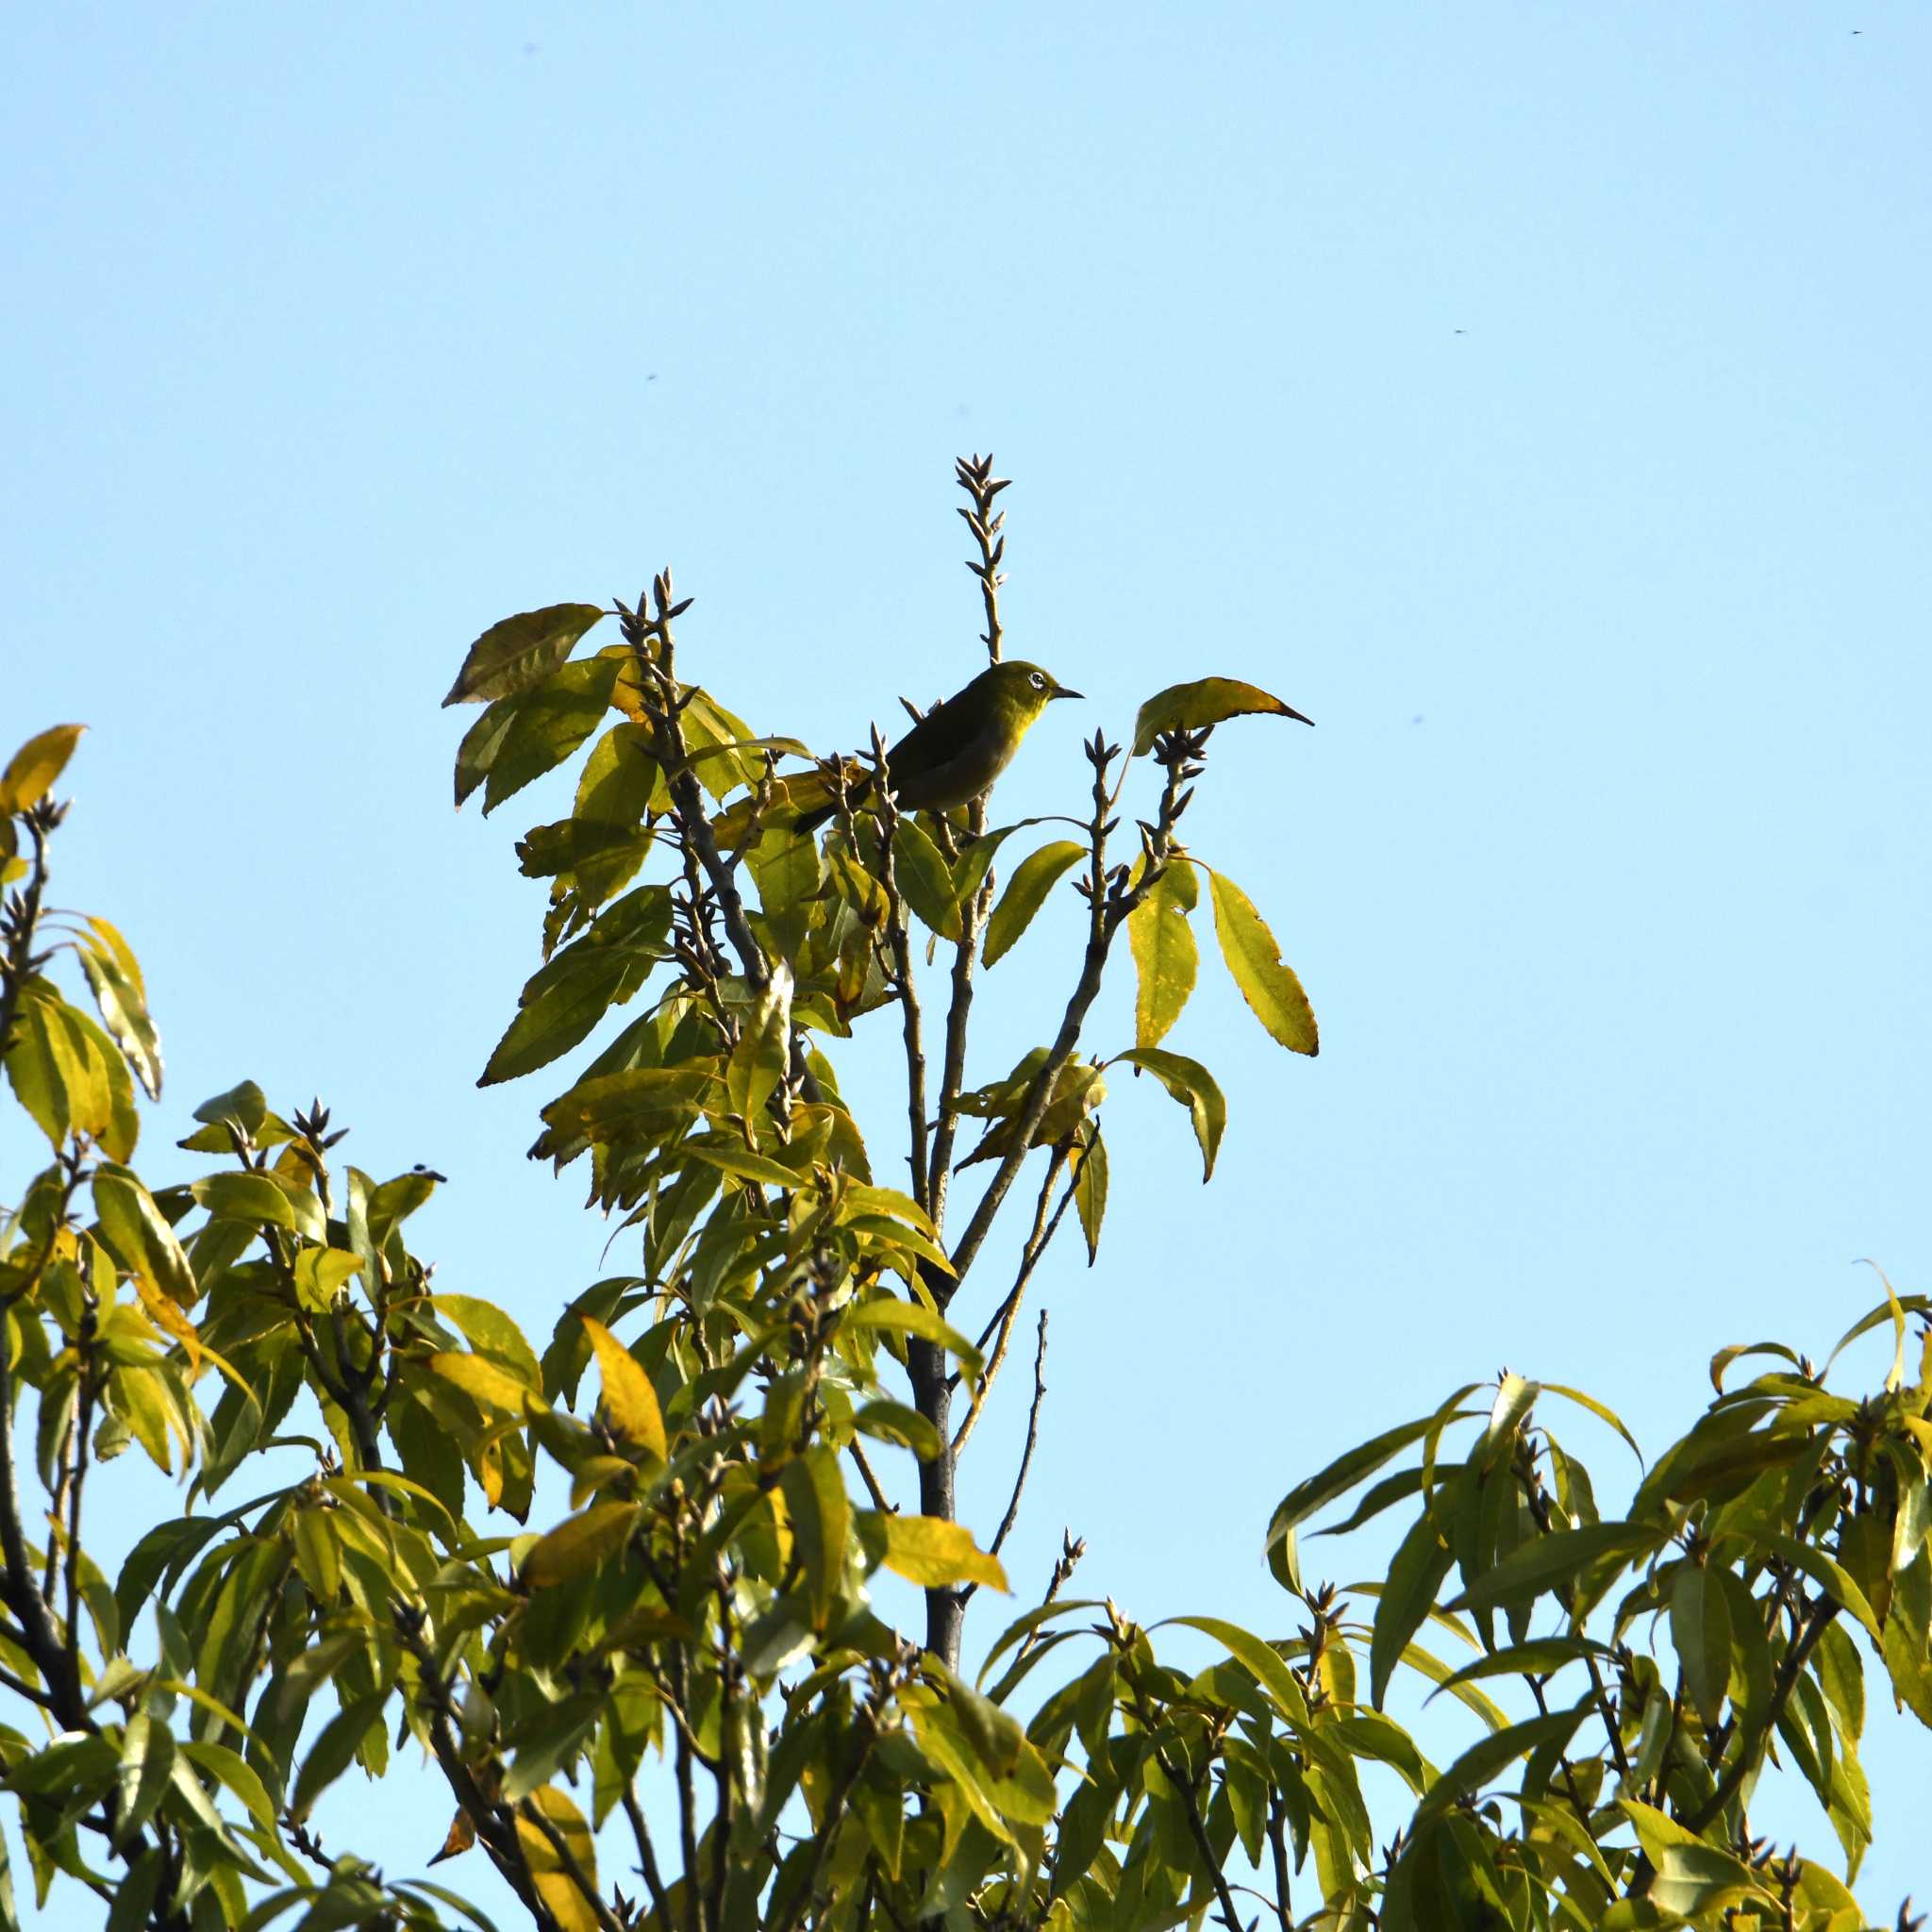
{"type": "Point", "coordinates": [1538, 398]}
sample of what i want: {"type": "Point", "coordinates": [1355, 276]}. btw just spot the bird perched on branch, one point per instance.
{"type": "Point", "coordinates": [959, 747]}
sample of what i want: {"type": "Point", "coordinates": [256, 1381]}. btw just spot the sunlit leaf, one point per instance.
{"type": "Point", "coordinates": [932, 1553]}
{"type": "Point", "coordinates": [629, 1401]}
{"type": "Point", "coordinates": [1254, 958]}
{"type": "Point", "coordinates": [1193, 1085]}
{"type": "Point", "coordinates": [549, 724]}
{"type": "Point", "coordinates": [36, 766]}
{"type": "Point", "coordinates": [1166, 958]}
{"type": "Point", "coordinates": [520, 652]}
{"type": "Point", "coordinates": [1032, 880]}
{"type": "Point", "coordinates": [115, 981]}
{"type": "Point", "coordinates": [562, 1894]}
{"type": "Point", "coordinates": [1090, 1188]}
{"type": "Point", "coordinates": [1201, 701]}
{"type": "Point", "coordinates": [140, 1235]}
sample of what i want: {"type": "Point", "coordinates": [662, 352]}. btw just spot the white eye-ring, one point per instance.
{"type": "Point", "coordinates": [1037, 681]}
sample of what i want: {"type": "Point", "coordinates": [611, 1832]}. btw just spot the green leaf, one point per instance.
{"type": "Point", "coordinates": [1254, 958]}
{"type": "Point", "coordinates": [549, 724]}
{"type": "Point", "coordinates": [1489, 1756]}
{"type": "Point", "coordinates": [1166, 958]}
{"type": "Point", "coordinates": [520, 652]}
{"type": "Point", "coordinates": [914, 1318]}
{"type": "Point", "coordinates": [244, 1107]}
{"type": "Point", "coordinates": [146, 1769]}
{"type": "Point", "coordinates": [1836, 1582]}
{"type": "Point", "coordinates": [140, 1235]}
{"type": "Point", "coordinates": [1701, 1632]}
{"type": "Point", "coordinates": [613, 1107]}
{"type": "Point", "coordinates": [894, 1422]}
{"type": "Point", "coordinates": [68, 1075]}
{"type": "Point", "coordinates": [321, 1275]}
{"type": "Point", "coordinates": [482, 745]}
{"type": "Point", "coordinates": [32, 769]}
{"type": "Point", "coordinates": [1538, 1656]}
{"type": "Point", "coordinates": [1695, 1879]}
{"type": "Point", "coordinates": [1415, 1573]}
{"type": "Point", "coordinates": [821, 1515]}
{"type": "Point", "coordinates": [1598, 1409]}
{"type": "Point", "coordinates": [335, 1749]}
{"type": "Point", "coordinates": [234, 1771]}
{"type": "Point", "coordinates": [567, 996]}
{"type": "Point", "coordinates": [1552, 1561]}
{"type": "Point", "coordinates": [1193, 1085]}
{"type": "Point", "coordinates": [763, 1051]}
{"type": "Point", "coordinates": [253, 1198]}
{"type": "Point", "coordinates": [1201, 701]}
{"type": "Point", "coordinates": [1026, 890]}
{"type": "Point", "coordinates": [1090, 1189]}
{"type": "Point", "coordinates": [1341, 1475]}
{"type": "Point", "coordinates": [1262, 1660]}
{"type": "Point", "coordinates": [115, 980]}
{"type": "Point", "coordinates": [925, 882]}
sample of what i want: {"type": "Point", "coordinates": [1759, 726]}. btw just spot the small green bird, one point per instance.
{"type": "Point", "coordinates": [959, 747]}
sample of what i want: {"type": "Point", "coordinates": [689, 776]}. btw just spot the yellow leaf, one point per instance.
{"type": "Point", "coordinates": [1254, 958]}
{"type": "Point", "coordinates": [482, 1381]}
{"type": "Point", "coordinates": [1165, 956]}
{"type": "Point", "coordinates": [931, 1552]}
{"type": "Point", "coordinates": [559, 1890]}
{"type": "Point", "coordinates": [629, 1400]}
{"type": "Point", "coordinates": [35, 766]}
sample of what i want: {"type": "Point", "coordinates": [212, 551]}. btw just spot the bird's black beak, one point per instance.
{"type": "Point", "coordinates": [1059, 691]}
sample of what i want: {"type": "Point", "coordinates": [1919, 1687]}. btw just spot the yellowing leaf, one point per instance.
{"type": "Point", "coordinates": [140, 1235]}
{"type": "Point", "coordinates": [559, 1890]}
{"type": "Point", "coordinates": [482, 1381]}
{"type": "Point", "coordinates": [1165, 956]}
{"type": "Point", "coordinates": [1033, 878]}
{"type": "Point", "coordinates": [764, 1046]}
{"type": "Point", "coordinates": [321, 1274]}
{"type": "Point", "coordinates": [36, 765]}
{"type": "Point", "coordinates": [1254, 958]}
{"type": "Point", "coordinates": [1202, 702]}
{"type": "Point", "coordinates": [1195, 1087]}
{"type": "Point", "coordinates": [931, 1552]}
{"type": "Point", "coordinates": [578, 1543]}
{"type": "Point", "coordinates": [629, 1400]}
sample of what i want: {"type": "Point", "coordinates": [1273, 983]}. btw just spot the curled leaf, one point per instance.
{"type": "Point", "coordinates": [1204, 701]}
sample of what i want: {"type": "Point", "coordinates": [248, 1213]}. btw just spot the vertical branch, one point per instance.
{"type": "Point", "coordinates": [977, 480]}
{"type": "Point", "coordinates": [899, 943]}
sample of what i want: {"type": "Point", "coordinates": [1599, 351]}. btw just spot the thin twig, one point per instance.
{"type": "Point", "coordinates": [1012, 1514]}
{"type": "Point", "coordinates": [647, 1857]}
{"type": "Point", "coordinates": [880, 1500]}
{"type": "Point", "coordinates": [1029, 1260]}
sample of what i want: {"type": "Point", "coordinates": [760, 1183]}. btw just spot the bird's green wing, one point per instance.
{"type": "Point", "coordinates": [942, 735]}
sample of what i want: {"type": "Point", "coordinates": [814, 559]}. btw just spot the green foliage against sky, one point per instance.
{"type": "Point", "coordinates": [617, 1587]}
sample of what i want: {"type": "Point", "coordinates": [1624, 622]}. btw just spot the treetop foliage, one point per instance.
{"type": "Point", "coordinates": [616, 1594]}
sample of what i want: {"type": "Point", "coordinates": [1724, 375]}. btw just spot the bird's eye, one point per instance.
{"type": "Point", "coordinates": [1037, 681]}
